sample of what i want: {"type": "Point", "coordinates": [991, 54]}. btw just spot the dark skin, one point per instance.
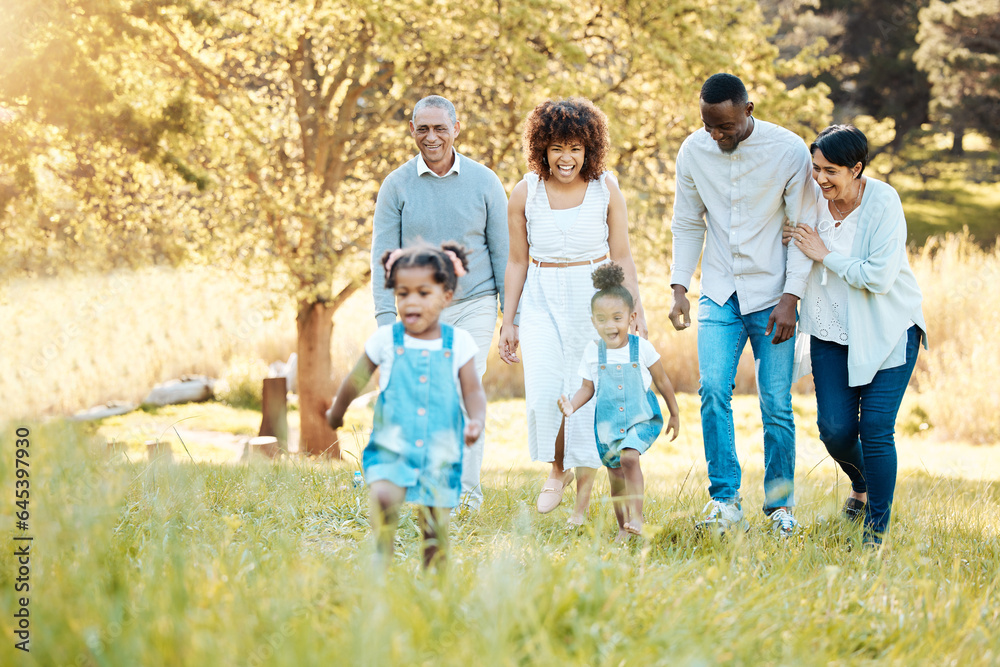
{"type": "Point", "coordinates": [386, 497]}
{"type": "Point", "coordinates": [730, 124]}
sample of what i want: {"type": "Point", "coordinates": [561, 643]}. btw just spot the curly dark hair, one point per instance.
{"type": "Point", "coordinates": [575, 118]}
{"type": "Point", "coordinates": [425, 254]}
{"type": "Point", "coordinates": [609, 280]}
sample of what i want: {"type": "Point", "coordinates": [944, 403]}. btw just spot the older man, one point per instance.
{"type": "Point", "coordinates": [441, 195]}
{"type": "Point", "coordinates": [737, 182]}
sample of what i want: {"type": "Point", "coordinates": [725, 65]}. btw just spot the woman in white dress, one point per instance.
{"type": "Point", "coordinates": [565, 217]}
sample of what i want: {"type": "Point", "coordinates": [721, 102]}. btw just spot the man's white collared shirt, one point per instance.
{"type": "Point", "coordinates": [735, 205]}
{"type": "Point", "coordinates": [422, 167]}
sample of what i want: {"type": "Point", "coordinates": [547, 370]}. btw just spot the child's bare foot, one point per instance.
{"type": "Point", "coordinates": [634, 527]}
{"type": "Point", "coordinates": [622, 536]}
{"type": "Point", "coordinates": [576, 519]}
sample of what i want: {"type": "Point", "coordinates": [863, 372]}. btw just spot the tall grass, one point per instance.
{"type": "Point", "coordinates": [958, 377]}
{"type": "Point", "coordinates": [76, 342]}
{"type": "Point", "coordinates": [199, 564]}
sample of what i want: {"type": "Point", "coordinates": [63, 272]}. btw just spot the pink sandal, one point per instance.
{"type": "Point", "coordinates": [552, 493]}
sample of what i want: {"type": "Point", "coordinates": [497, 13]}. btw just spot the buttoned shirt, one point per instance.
{"type": "Point", "coordinates": [422, 167]}
{"type": "Point", "coordinates": [734, 206]}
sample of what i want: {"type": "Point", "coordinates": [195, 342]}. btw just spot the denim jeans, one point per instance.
{"type": "Point", "coordinates": [858, 424]}
{"type": "Point", "coordinates": [723, 332]}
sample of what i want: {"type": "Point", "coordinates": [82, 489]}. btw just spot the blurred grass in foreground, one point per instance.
{"type": "Point", "coordinates": [268, 564]}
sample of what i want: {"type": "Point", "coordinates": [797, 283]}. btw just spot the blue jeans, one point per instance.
{"type": "Point", "coordinates": [722, 334]}
{"type": "Point", "coordinates": [858, 424]}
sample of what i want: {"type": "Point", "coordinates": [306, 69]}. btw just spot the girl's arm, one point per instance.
{"type": "Point", "coordinates": [517, 271]}
{"type": "Point", "coordinates": [621, 253]}
{"type": "Point", "coordinates": [666, 390]}
{"type": "Point", "coordinates": [349, 390]}
{"type": "Point", "coordinates": [475, 401]}
{"type": "Point", "coordinates": [582, 395]}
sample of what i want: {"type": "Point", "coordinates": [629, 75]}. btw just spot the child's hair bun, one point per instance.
{"type": "Point", "coordinates": [459, 250]}
{"type": "Point", "coordinates": [608, 276]}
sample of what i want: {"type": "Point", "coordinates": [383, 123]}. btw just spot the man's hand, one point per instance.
{"type": "Point", "coordinates": [680, 311]}
{"type": "Point", "coordinates": [782, 319]}
{"type": "Point", "coordinates": [786, 232]}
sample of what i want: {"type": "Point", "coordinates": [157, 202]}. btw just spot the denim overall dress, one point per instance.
{"type": "Point", "coordinates": [627, 415]}
{"type": "Point", "coordinates": [417, 432]}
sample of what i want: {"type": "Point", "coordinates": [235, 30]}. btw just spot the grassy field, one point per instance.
{"type": "Point", "coordinates": [262, 563]}
{"type": "Point", "coordinates": [214, 560]}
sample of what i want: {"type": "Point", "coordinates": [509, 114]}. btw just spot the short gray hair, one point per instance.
{"type": "Point", "coordinates": [437, 102]}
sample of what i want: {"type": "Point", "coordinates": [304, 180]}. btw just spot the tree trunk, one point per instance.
{"type": "Point", "coordinates": [958, 132]}
{"type": "Point", "coordinates": [314, 323]}
{"type": "Point", "coordinates": [274, 411]}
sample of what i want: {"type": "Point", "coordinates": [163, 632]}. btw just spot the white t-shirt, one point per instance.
{"type": "Point", "coordinates": [647, 357]}
{"type": "Point", "coordinates": [381, 351]}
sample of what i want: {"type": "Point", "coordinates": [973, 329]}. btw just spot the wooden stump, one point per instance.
{"type": "Point", "coordinates": [274, 418]}
{"type": "Point", "coordinates": [262, 445]}
{"type": "Point", "coordinates": [159, 452]}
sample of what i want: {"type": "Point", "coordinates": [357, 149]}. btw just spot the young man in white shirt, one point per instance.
{"type": "Point", "coordinates": [737, 183]}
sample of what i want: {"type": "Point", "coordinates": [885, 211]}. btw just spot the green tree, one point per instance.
{"type": "Point", "coordinates": [262, 129]}
{"type": "Point", "coordinates": [960, 52]}
{"type": "Point", "coordinates": [873, 43]}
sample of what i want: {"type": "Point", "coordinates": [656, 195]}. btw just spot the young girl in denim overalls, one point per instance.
{"type": "Point", "coordinates": [415, 451]}
{"type": "Point", "coordinates": [628, 419]}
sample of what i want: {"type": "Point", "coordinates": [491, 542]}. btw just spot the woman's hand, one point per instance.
{"type": "Point", "coordinates": [507, 344]}
{"type": "Point", "coordinates": [639, 326]}
{"type": "Point", "coordinates": [808, 241]}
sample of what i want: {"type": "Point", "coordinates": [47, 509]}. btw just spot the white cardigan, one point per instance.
{"type": "Point", "coordinates": [884, 296]}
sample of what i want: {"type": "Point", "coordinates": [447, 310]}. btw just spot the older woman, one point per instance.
{"type": "Point", "coordinates": [565, 218]}
{"type": "Point", "coordinates": [862, 309]}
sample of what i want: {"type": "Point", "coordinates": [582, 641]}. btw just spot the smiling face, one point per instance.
{"type": "Point", "coordinates": [612, 318]}
{"type": "Point", "coordinates": [728, 123]}
{"type": "Point", "coordinates": [566, 159]}
{"type": "Point", "coordinates": [420, 300]}
{"type": "Point", "coordinates": [435, 134]}
{"type": "Point", "coordinates": [836, 181]}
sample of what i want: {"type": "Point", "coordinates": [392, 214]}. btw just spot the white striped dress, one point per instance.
{"type": "Point", "coordinates": [555, 323]}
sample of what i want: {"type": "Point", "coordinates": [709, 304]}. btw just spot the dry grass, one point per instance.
{"type": "Point", "coordinates": [75, 342]}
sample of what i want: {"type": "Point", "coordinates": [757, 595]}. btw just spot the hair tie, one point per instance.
{"type": "Point", "coordinates": [393, 256]}
{"type": "Point", "coordinates": [456, 263]}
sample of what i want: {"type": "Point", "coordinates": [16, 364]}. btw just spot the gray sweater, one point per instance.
{"type": "Point", "coordinates": [469, 207]}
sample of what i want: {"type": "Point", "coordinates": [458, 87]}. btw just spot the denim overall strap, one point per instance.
{"type": "Point", "coordinates": [418, 424]}
{"type": "Point", "coordinates": [625, 415]}
{"type": "Point", "coordinates": [447, 337]}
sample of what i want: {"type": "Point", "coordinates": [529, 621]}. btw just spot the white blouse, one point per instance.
{"type": "Point", "coordinates": [825, 313]}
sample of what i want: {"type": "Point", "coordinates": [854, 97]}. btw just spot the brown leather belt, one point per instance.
{"type": "Point", "coordinates": [564, 265]}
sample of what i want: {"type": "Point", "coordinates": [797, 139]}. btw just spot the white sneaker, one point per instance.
{"type": "Point", "coordinates": [721, 515]}
{"type": "Point", "coordinates": [782, 522]}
